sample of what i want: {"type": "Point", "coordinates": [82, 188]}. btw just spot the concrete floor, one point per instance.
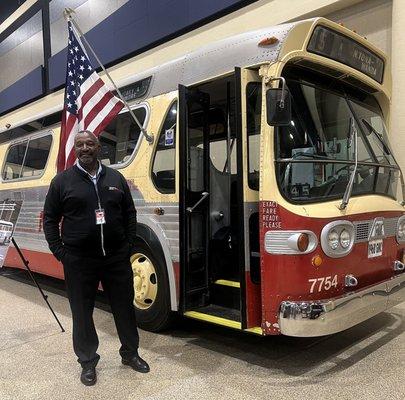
{"type": "Point", "coordinates": [193, 360]}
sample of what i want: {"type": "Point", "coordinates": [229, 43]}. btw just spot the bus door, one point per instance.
{"type": "Point", "coordinates": [248, 127]}
{"type": "Point", "coordinates": [194, 197]}
{"type": "Point", "coordinates": [219, 246]}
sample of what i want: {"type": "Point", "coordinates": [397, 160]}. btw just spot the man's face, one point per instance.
{"type": "Point", "coordinates": [86, 148]}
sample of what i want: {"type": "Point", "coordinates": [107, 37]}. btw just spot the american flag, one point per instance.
{"type": "Point", "coordinates": [88, 103]}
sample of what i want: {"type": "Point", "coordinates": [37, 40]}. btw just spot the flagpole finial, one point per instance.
{"type": "Point", "coordinates": [68, 13]}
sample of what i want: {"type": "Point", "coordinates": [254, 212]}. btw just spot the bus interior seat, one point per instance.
{"type": "Point", "coordinates": [8, 173]}
{"type": "Point", "coordinates": [165, 179]}
{"type": "Point", "coordinates": [219, 198]}
{"type": "Point", "coordinates": [254, 179]}
{"type": "Point", "coordinates": [196, 168]}
{"type": "Point", "coordinates": [382, 184]}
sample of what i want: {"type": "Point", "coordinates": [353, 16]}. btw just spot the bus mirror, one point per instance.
{"type": "Point", "coordinates": [278, 107]}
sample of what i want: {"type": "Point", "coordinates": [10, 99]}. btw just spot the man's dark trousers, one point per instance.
{"type": "Point", "coordinates": [82, 276]}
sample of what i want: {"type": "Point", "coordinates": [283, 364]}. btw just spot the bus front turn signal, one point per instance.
{"type": "Point", "coordinates": [303, 242]}
{"type": "Point", "coordinates": [317, 260]}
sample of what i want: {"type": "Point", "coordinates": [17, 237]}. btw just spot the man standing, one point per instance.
{"type": "Point", "coordinates": [98, 231]}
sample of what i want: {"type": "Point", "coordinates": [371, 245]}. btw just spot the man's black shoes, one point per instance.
{"type": "Point", "coordinates": [88, 376]}
{"type": "Point", "coordinates": [137, 364]}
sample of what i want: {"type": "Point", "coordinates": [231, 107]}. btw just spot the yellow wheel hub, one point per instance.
{"type": "Point", "coordinates": [145, 281]}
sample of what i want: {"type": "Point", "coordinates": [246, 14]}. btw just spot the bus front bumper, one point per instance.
{"type": "Point", "coordinates": [325, 317]}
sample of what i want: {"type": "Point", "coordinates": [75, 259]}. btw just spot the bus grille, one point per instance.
{"type": "Point", "coordinates": [363, 229]}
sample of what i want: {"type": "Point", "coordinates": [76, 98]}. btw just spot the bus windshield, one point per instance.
{"type": "Point", "coordinates": [315, 154]}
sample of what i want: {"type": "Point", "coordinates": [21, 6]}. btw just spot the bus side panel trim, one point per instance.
{"type": "Point", "coordinates": [156, 229]}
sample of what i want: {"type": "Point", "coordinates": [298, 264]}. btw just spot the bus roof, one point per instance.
{"type": "Point", "coordinates": [211, 60]}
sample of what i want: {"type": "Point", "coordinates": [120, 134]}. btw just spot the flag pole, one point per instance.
{"type": "Point", "coordinates": [68, 14]}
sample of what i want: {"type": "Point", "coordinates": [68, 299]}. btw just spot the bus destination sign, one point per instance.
{"type": "Point", "coordinates": [334, 45]}
{"type": "Point", "coordinates": [135, 90]}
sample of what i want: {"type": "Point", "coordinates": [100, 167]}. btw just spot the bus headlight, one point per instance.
{"type": "Point", "coordinates": [345, 239]}
{"type": "Point", "coordinates": [401, 229]}
{"type": "Point", "coordinates": [333, 239]}
{"type": "Point", "coordinates": [337, 238]}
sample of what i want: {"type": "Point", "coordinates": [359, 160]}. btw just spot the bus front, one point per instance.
{"type": "Point", "coordinates": [332, 221]}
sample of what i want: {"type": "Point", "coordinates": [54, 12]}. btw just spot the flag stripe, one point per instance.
{"type": "Point", "coordinates": [101, 115]}
{"type": "Point", "coordinates": [89, 82]}
{"type": "Point", "coordinates": [95, 99]}
{"type": "Point", "coordinates": [116, 109]}
{"type": "Point", "coordinates": [70, 121]}
{"type": "Point", "coordinates": [88, 94]}
{"type": "Point", "coordinates": [61, 162]}
{"type": "Point", "coordinates": [70, 139]}
{"type": "Point", "coordinates": [99, 108]}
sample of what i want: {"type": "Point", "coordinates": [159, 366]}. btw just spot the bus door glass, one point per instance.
{"type": "Point", "coordinates": [249, 126]}
{"type": "Point", "coordinates": [194, 196]}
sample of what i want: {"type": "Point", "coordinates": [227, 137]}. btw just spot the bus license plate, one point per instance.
{"type": "Point", "coordinates": [375, 248]}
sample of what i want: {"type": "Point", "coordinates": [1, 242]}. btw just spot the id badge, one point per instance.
{"type": "Point", "coordinates": [100, 216]}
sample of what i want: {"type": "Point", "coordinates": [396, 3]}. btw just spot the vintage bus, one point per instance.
{"type": "Point", "coordinates": [269, 200]}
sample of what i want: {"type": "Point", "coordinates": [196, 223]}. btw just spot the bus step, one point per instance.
{"type": "Point", "coordinates": [226, 294]}
{"type": "Point", "coordinates": [198, 251]}
{"type": "Point", "coordinates": [225, 282]}
{"type": "Point", "coordinates": [213, 319]}
{"type": "Point", "coordinates": [217, 314]}
{"type": "Point", "coordinates": [190, 270]}
{"type": "Point", "coordinates": [196, 290]}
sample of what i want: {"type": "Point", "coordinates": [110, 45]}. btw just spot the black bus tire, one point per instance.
{"type": "Point", "coordinates": [152, 316]}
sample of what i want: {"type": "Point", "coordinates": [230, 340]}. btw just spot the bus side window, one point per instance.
{"type": "Point", "coordinates": [253, 121]}
{"type": "Point", "coordinates": [37, 156]}
{"type": "Point", "coordinates": [120, 138]}
{"type": "Point", "coordinates": [163, 169]}
{"type": "Point", "coordinates": [14, 160]}
{"type": "Point", "coordinates": [27, 159]}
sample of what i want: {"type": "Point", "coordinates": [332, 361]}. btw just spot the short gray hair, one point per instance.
{"type": "Point", "coordinates": [89, 133]}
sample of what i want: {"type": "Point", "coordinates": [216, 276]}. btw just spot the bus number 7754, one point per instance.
{"type": "Point", "coordinates": [324, 283]}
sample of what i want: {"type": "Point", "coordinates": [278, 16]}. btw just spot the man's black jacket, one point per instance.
{"type": "Point", "coordinates": [72, 198]}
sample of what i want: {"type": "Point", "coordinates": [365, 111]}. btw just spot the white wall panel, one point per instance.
{"type": "Point", "coordinates": [89, 13]}
{"type": "Point", "coordinates": [398, 82]}
{"type": "Point", "coordinates": [371, 18]}
{"type": "Point", "coordinates": [23, 51]}
{"type": "Point", "coordinates": [374, 19]}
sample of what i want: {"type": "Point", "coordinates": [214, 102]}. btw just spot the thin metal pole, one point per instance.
{"type": "Point", "coordinates": [45, 297]}
{"type": "Point", "coordinates": [46, 39]}
{"type": "Point", "coordinates": [68, 15]}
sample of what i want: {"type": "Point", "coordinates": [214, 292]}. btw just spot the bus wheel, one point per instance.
{"type": "Point", "coordinates": [152, 294]}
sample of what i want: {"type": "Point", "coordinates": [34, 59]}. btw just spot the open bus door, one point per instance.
{"type": "Point", "coordinates": [248, 127]}
{"type": "Point", "coordinates": [194, 197]}
{"type": "Point", "coordinates": [219, 247]}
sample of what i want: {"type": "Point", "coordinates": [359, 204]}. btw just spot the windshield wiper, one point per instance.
{"type": "Point", "coordinates": [349, 187]}
{"type": "Point", "coordinates": [379, 136]}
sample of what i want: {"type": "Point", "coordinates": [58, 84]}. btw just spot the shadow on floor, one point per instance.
{"type": "Point", "coordinates": [319, 358]}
